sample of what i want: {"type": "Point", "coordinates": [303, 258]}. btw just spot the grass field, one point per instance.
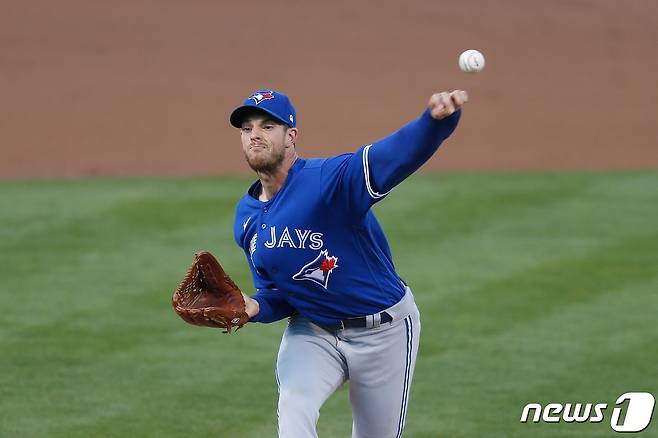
{"type": "Point", "coordinates": [532, 288]}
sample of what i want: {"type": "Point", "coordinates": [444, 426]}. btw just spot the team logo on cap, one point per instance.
{"type": "Point", "coordinates": [319, 269]}
{"type": "Point", "coordinates": [260, 96]}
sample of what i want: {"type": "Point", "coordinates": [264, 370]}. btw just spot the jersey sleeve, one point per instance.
{"type": "Point", "coordinates": [272, 303]}
{"type": "Point", "coordinates": [273, 306]}
{"type": "Point", "coordinates": [356, 181]}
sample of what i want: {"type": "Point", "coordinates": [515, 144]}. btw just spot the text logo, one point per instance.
{"type": "Point", "coordinates": [633, 416]}
{"type": "Point", "coordinates": [638, 413]}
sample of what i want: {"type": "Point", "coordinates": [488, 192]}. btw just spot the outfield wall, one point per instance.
{"type": "Point", "coordinates": [144, 87]}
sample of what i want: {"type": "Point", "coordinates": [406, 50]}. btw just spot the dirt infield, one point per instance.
{"type": "Point", "coordinates": [145, 87]}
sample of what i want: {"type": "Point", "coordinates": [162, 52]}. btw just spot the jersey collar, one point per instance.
{"type": "Point", "coordinates": [254, 189]}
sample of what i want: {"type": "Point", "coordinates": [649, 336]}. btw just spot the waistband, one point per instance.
{"type": "Point", "coordinates": [396, 312]}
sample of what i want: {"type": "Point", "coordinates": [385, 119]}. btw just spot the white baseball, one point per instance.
{"type": "Point", "coordinates": [471, 61]}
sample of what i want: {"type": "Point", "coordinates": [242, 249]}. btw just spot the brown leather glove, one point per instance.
{"type": "Point", "coordinates": [208, 297]}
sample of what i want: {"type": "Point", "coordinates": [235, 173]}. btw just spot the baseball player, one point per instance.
{"type": "Point", "coordinates": [320, 258]}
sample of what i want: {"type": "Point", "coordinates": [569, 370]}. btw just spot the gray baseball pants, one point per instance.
{"type": "Point", "coordinates": [378, 361]}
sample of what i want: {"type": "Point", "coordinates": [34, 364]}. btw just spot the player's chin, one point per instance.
{"type": "Point", "coordinates": [259, 162]}
{"type": "Point", "coordinates": [258, 156]}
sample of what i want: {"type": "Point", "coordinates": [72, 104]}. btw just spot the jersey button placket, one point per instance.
{"type": "Point", "coordinates": [265, 210]}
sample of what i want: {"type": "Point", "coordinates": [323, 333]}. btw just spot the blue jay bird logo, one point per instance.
{"type": "Point", "coordinates": [318, 270]}
{"type": "Point", "coordinates": [260, 96]}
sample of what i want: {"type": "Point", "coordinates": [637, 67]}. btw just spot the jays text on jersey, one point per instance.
{"type": "Point", "coordinates": [316, 247]}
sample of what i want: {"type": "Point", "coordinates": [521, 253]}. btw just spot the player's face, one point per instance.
{"type": "Point", "coordinates": [264, 143]}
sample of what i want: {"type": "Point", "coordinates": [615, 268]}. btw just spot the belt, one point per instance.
{"type": "Point", "coordinates": [362, 321]}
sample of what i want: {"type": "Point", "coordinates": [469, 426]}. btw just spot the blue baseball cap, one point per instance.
{"type": "Point", "coordinates": [272, 102]}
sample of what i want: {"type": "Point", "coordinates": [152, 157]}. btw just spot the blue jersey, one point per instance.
{"type": "Point", "coordinates": [316, 247]}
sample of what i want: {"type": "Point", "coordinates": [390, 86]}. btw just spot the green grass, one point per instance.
{"type": "Point", "coordinates": [532, 288]}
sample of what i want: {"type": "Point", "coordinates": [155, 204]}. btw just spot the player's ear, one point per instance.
{"type": "Point", "coordinates": [291, 136]}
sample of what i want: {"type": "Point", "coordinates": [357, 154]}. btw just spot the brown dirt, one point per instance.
{"type": "Point", "coordinates": [144, 87]}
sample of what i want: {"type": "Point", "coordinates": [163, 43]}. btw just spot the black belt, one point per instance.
{"type": "Point", "coordinates": [361, 322]}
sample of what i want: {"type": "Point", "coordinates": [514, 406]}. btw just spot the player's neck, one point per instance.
{"type": "Point", "coordinates": [271, 182]}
